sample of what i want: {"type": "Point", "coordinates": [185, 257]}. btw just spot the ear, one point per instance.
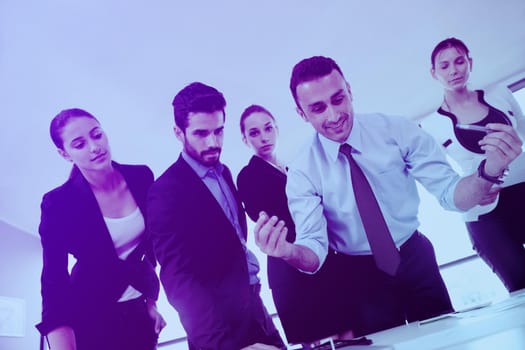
{"type": "Point", "coordinates": [301, 113]}
{"type": "Point", "coordinates": [349, 91]}
{"type": "Point", "coordinates": [244, 140]}
{"type": "Point", "coordinates": [470, 61]}
{"type": "Point", "coordinates": [64, 154]}
{"type": "Point", "coordinates": [179, 134]}
{"type": "Point", "coordinates": [433, 73]}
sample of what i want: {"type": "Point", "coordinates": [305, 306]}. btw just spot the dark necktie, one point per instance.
{"type": "Point", "coordinates": [381, 243]}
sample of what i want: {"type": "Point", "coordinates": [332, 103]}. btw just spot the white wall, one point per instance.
{"type": "Point", "coordinates": [20, 266]}
{"type": "Point", "coordinates": [125, 60]}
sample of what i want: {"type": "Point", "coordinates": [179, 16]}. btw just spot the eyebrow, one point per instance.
{"type": "Point", "coordinates": [200, 131]}
{"type": "Point", "coordinates": [207, 130]}
{"type": "Point", "coordinates": [316, 103]}
{"type": "Point", "coordinates": [80, 138]}
{"type": "Point", "coordinates": [453, 59]}
{"type": "Point", "coordinates": [338, 92]}
{"type": "Point", "coordinates": [256, 128]}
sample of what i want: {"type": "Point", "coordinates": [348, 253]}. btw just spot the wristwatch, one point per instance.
{"type": "Point", "coordinates": [494, 179]}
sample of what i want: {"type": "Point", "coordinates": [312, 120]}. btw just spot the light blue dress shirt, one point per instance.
{"type": "Point", "coordinates": [393, 152]}
{"type": "Point", "coordinates": [213, 179]}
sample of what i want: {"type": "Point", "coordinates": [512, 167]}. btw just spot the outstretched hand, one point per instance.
{"type": "Point", "coordinates": [501, 147]}
{"type": "Point", "coordinates": [270, 236]}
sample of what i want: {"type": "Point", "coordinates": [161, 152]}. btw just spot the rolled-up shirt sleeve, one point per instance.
{"type": "Point", "coordinates": [305, 204]}
{"type": "Point", "coordinates": [427, 162]}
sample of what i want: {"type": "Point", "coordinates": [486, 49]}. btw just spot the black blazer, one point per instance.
{"type": "Point", "coordinates": [203, 265]}
{"type": "Point", "coordinates": [72, 223]}
{"type": "Point", "coordinates": [262, 187]}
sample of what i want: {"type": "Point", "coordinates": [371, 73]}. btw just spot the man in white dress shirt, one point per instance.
{"type": "Point", "coordinates": [393, 153]}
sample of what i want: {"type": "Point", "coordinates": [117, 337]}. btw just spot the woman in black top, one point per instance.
{"type": "Point", "coordinates": [302, 300]}
{"type": "Point", "coordinates": [97, 215]}
{"type": "Point", "coordinates": [495, 227]}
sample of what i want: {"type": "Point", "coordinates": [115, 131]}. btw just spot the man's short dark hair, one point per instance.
{"type": "Point", "coordinates": [195, 98]}
{"type": "Point", "coordinates": [311, 69]}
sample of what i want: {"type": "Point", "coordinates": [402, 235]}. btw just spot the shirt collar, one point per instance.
{"type": "Point", "coordinates": [331, 148]}
{"type": "Point", "coordinates": [201, 170]}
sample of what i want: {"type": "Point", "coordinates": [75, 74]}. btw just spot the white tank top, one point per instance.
{"type": "Point", "coordinates": [126, 233]}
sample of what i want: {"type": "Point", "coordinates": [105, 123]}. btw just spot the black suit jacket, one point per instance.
{"type": "Point", "coordinates": [203, 265]}
{"type": "Point", "coordinates": [262, 188]}
{"type": "Point", "coordinates": [72, 223]}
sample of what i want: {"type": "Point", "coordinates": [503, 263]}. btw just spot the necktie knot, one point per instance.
{"type": "Point", "coordinates": [214, 173]}
{"type": "Point", "coordinates": [346, 149]}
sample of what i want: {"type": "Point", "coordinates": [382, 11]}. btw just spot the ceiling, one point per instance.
{"type": "Point", "coordinates": [124, 61]}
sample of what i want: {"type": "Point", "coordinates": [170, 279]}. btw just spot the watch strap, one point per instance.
{"type": "Point", "coordinates": [482, 174]}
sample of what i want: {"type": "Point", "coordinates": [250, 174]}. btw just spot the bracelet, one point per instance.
{"type": "Point", "coordinates": [494, 179]}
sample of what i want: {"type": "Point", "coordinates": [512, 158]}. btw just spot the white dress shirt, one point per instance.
{"type": "Point", "coordinates": [393, 152]}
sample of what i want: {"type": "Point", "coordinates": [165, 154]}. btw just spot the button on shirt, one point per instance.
{"type": "Point", "coordinates": [393, 152]}
{"type": "Point", "coordinates": [214, 180]}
